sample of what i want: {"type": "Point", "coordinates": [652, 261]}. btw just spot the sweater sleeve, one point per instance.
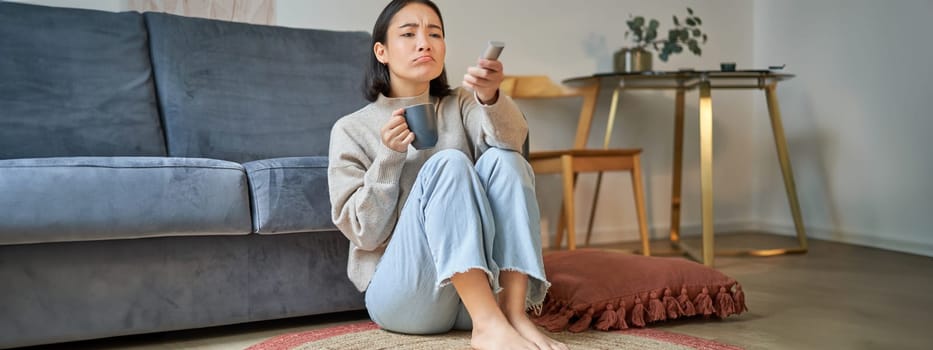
{"type": "Point", "coordinates": [364, 192]}
{"type": "Point", "coordinates": [499, 125]}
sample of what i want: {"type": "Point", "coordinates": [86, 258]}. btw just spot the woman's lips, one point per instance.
{"type": "Point", "coordinates": [423, 59]}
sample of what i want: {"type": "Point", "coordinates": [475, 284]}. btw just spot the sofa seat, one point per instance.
{"type": "Point", "coordinates": [98, 198]}
{"type": "Point", "coordinates": [289, 195]}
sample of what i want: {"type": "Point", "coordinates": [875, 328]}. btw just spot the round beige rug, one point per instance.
{"type": "Point", "coordinates": [367, 335]}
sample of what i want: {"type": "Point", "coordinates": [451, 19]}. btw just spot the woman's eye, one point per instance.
{"type": "Point", "coordinates": [436, 35]}
{"type": "Point", "coordinates": [408, 34]}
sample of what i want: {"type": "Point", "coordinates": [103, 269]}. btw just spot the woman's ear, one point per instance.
{"type": "Point", "coordinates": [380, 51]}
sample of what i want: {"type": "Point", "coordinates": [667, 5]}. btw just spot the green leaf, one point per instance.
{"type": "Point", "coordinates": [676, 22]}
{"type": "Point", "coordinates": [651, 34]}
{"type": "Point", "coordinates": [694, 47]}
{"type": "Point", "coordinates": [663, 57]}
{"type": "Point", "coordinates": [673, 34]}
{"type": "Point", "coordinates": [684, 34]}
{"type": "Point", "coordinates": [678, 49]}
{"type": "Point", "coordinates": [639, 21]}
{"type": "Point", "coordinates": [699, 22]}
{"type": "Point", "coordinates": [653, 24]}
{"type": "Point", "coordinates": [631, 25]}
{"type": "Point", "coordinates": [690, 10]}
{"type": "Point", "coordinates": [696, 32]}
{"type": "Point", "coordinates": [704, 38]}
{"type": "Point", "coordinates": [691, 22]}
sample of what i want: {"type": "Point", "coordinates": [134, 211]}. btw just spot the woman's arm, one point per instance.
{"type": "Point", "coordinates": [499, 125]}
{"type": "Point", "coordinates": [491, 120]}
{"type": "Point", "coordinates": [364, 192]}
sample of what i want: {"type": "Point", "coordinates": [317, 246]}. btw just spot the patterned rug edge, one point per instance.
{"type": "Point", "coordinates": [293, 340]}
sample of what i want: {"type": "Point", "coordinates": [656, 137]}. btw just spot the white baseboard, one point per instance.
{"type": "Point", "coordinates": [851, 237]}
{"type": "Point", "coordinates": [610, 235]}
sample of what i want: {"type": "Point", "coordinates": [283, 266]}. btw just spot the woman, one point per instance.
{"type": "Point", "coordinates": [438, 242]}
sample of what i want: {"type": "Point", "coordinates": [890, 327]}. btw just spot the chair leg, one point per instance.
{"type": "Point", "coordinates": [562, 219]}
{"type": "Point", "coordinates": [561, 225]}
{"type": "Point", "coordinates": [638, 191]}
{"type": "Point", "coordinates": [567, 164]}
{"type": "Point", "coordinates": [589, 224]}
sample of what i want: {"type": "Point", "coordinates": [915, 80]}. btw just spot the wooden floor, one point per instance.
{"type": "Point", "coordinates": [837, 296]}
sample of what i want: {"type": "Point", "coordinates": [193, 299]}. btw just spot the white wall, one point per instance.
{"type": "Point", "coordinates": [857, 117]}
{"type": "Point", "coordinates": [105, 5]}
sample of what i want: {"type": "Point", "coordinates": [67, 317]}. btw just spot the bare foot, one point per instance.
{"type": "Point", "coordinates": [498, 334]}
{"type": "Point", "coordinates": [530, 331]}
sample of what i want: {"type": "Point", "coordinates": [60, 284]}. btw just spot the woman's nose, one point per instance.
{"type": "Point", "coordinates": [423, 43]}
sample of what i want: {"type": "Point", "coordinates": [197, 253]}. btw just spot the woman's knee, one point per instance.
{"type": "Point", "coordinates": [505, 163]}
{"type": "Point", "coordinates": [449, 159]}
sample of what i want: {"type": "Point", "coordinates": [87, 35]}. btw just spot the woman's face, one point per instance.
{"type": "Point", "coordinates": [414, 49]}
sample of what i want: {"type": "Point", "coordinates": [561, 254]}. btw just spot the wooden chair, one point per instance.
{"type": "Point", "coordinates": [579, 159]}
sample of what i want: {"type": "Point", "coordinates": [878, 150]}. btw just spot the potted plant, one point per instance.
{"type": "Point", "coordinates": [644, 34]}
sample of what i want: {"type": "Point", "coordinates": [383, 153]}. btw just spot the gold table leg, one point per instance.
{"type": "Point", "coordinates": [677, 168]}
{"type": "Point", "coordinates": [777, 128]}
{"type": "Point", "coordinates": [676, 177]}
{"type": "Point", "coordinates": [706, 177]}
{"type": "Point", "coordinates": [706, 182]}
{"type": "Point", "coordinates": [706, 170]}
{"type": "Point", "coordinates": [613, 108]}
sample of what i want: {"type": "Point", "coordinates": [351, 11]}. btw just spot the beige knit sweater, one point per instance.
{"type": "Point", "coordinates": [370, 182]}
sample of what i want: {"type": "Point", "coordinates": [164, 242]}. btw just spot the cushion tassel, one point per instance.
{"type": "Point", "coordinates": [554, 311]}
{"type": "Point", "coordinates": [583, 323]}
{"type": "Point", "coordinates": [621, 316]}
{"type": "Point", "coordinates": [739, 297]}
{"type": "Point", "coordinates": [673, 308]}
{"type": "Point", "coordinates": [638, 313]}
{"type": "Point", "coordinates": [549, 310]}
{"type": "Point", "coordinates": [608, 320]}
{"type": "Point", "coordinates": [704, 303]}
{"type": "Point", "coordinates": [656, 311]}
{"type": "Point", "coordinates": [684, 300]}
{"type": "Point", "coordinates": [726, 306]}
{"type": "Point", "coordinates": [559, 322]}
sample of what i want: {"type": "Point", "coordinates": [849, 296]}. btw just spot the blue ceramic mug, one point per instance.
{"type": "Point", "coordinates": [422, 121]}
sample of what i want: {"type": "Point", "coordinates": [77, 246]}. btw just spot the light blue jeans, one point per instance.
{"type": "Point", "coordinates": [458, 217]}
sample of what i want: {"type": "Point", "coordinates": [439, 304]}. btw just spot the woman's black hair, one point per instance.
{"type": "Point", "coordinates": [377, 74]}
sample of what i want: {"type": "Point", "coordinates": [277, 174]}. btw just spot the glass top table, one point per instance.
{"type": "Point", "coordinates": [687, 79]}
{"type": "Point", "coordinates": [682, 81]}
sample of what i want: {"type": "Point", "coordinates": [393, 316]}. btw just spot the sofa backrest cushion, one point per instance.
{"type": "Point", "coordinates": [75, 83]}
{"type": "Point", "coordinates": [243, 92]}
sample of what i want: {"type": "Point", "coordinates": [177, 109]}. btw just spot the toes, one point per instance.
{"type": "Point", "coordinates": [556, 345]}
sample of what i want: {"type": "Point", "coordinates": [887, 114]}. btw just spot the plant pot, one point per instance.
{"type": "Point", "coordinates": [628, 60]}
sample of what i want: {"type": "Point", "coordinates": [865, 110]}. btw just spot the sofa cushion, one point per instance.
{"type": "Point", "coordinates": [96, 198]}
{"type": "Point", "coordinates": [244, 92]}
{"type": "Point", "coordinates": [289, 195]}
{"type": "Point", "coordinates": [75, 83]}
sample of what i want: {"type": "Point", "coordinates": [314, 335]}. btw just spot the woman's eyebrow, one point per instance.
{"type": "Point", "coordinates": [433, 26]}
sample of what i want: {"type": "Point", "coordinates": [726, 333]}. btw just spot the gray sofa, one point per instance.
{"type": "Point", "coordinates": [160, 172]}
